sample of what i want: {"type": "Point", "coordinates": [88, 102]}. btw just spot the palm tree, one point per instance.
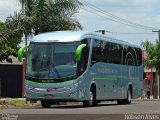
{"type": "Point", "coordinates": [10, 37]}
{"type": "Point", "coordinates": [152, 59]}
{"type": "Point", "coordinates": [51, 15]}
{"type": "Point", "coordinates": [158, 65]}
{"type": "Point", "coordinates": [11, 30]}
{"type": "Point", "coordinates": [149, 61]}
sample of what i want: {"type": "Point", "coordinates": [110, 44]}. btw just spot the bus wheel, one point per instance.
{"type": "Point", "coordinates": [128, 100]}
{"type": "Point", "coordinates": [92, 99]}
{"type": "Point", "coordinates": [45, 103]}
{"type": "Point", "coordinates": [129, 96]}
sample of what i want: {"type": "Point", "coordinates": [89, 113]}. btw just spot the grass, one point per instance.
{"type": "Point", "coordinates": [15, 103]}
{"type": "Point", "coordinates": [21, 103]}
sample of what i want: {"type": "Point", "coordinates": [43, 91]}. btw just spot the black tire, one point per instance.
{"type": "Point", "coordinates": [127, 100]}
{"type": "Point", "coordinates": [92, 100]}
{"type": "Point", "coordinates": [45, 103]}
{"type": "Point", "coordinates": [120, 102]}
{"type": "Point", "coordinates": [129, 97]}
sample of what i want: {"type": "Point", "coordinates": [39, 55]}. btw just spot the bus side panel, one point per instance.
{"type": "Point", "coordinates": [132, 75]}
{"type": "Point", "coordinates": [108, 80]}
{"type": "Point", "coordinates": [138, 84]}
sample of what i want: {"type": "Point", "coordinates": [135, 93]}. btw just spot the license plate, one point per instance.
{"type": "Point", "coordinates": [48, 96]}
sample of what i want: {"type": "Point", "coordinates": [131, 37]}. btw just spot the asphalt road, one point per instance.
{"type": "Point", "coordinates": [104, 111]}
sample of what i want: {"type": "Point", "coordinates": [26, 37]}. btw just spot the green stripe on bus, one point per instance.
{"type": "Point", "coordinates": [105, 78]}
{"type": "Point", "coordinates": [50, 82]}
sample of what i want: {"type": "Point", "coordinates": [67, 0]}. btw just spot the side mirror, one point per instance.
{"type": "Point", "coordinates": [79, 52]}
{"type": "Point", "coordinates": [21, 52]}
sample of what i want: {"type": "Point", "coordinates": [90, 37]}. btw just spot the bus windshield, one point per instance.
{"type": "Point", "coordinates": [54, 61]}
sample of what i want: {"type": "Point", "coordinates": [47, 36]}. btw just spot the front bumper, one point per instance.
{"type": "Point", "coordinates": [73, 94]}
{"type": "Point", "coordinates": [65, 91]}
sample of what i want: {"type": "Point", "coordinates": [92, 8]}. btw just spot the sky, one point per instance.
{"type": "Point", "coordinates": [143, 12]}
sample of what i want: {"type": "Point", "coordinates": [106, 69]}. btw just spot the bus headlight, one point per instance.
{"type": "Point", "coordinates": [28, 87]}
{"type": "Point", "coordinates": [39, 89]}
{"type": "Point", "coordinates": [74, 85]}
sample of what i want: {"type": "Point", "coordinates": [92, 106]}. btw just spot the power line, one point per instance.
{"type": "Point", "coordinates": [118, 19]}
{"type": "Point", "coordinates": [115, 17]}
{"type": "Point", "coordinates": [116, 33]}
{"type": "Point", "coordinates": [110, 18]}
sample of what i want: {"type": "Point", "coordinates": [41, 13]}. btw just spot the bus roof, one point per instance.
{"type": "Point", "coordinates": [70, 36]}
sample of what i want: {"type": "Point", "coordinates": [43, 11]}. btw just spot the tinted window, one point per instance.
{"type": "Point", "coordinates": [132, 56]}
{"type": "Point", "coordinates": [96, 51]}
{"type": "Point", "coordinates": [139, 56]}
{"type": "Point", "coordinates": [107, 52]}
{"type": "Point", "coordinates": [116, 53]}
{"type": "Point", "coordinates": [85, 54]}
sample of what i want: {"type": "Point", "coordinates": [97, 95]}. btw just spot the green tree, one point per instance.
{"type": "Point", "coordinates": [50, 15]}
{"type": "Point", "coordinates": [1, 24]}
{"type": "Point", "coordinates": [37, 16]}
{"type": "Point", "coordinates": [152, 59]}
{"type": "Point", "coordinates": [10, 37]}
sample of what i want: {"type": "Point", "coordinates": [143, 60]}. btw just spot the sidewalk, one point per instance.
{"type": "Point", "coordinates": [145, 99]}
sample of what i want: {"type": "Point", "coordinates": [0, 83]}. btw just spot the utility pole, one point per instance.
{"type": "Point", "coordinates": [25, 36]}
{"type": "Point", "coordinates": [158, 31]}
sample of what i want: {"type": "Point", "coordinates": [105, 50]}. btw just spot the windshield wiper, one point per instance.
{"type": "Point", "coordinates": [40, 66]}
{"type": "Point", "coordinates": [56, 71]}
{"type": "Point", "coordinates": [30, 77]}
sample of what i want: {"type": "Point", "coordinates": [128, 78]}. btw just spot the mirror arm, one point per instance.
{"type": "Point", "coordinates": [79, 51]}
{"type": "Point", "coordinates": [21, 52]}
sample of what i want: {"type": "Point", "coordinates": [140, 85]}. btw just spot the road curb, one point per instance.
{"type": "Point", "coordinates": [139, 99]}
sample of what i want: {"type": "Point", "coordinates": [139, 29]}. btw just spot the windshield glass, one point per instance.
{"type": "Point", "coordinates": [51, 60]}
